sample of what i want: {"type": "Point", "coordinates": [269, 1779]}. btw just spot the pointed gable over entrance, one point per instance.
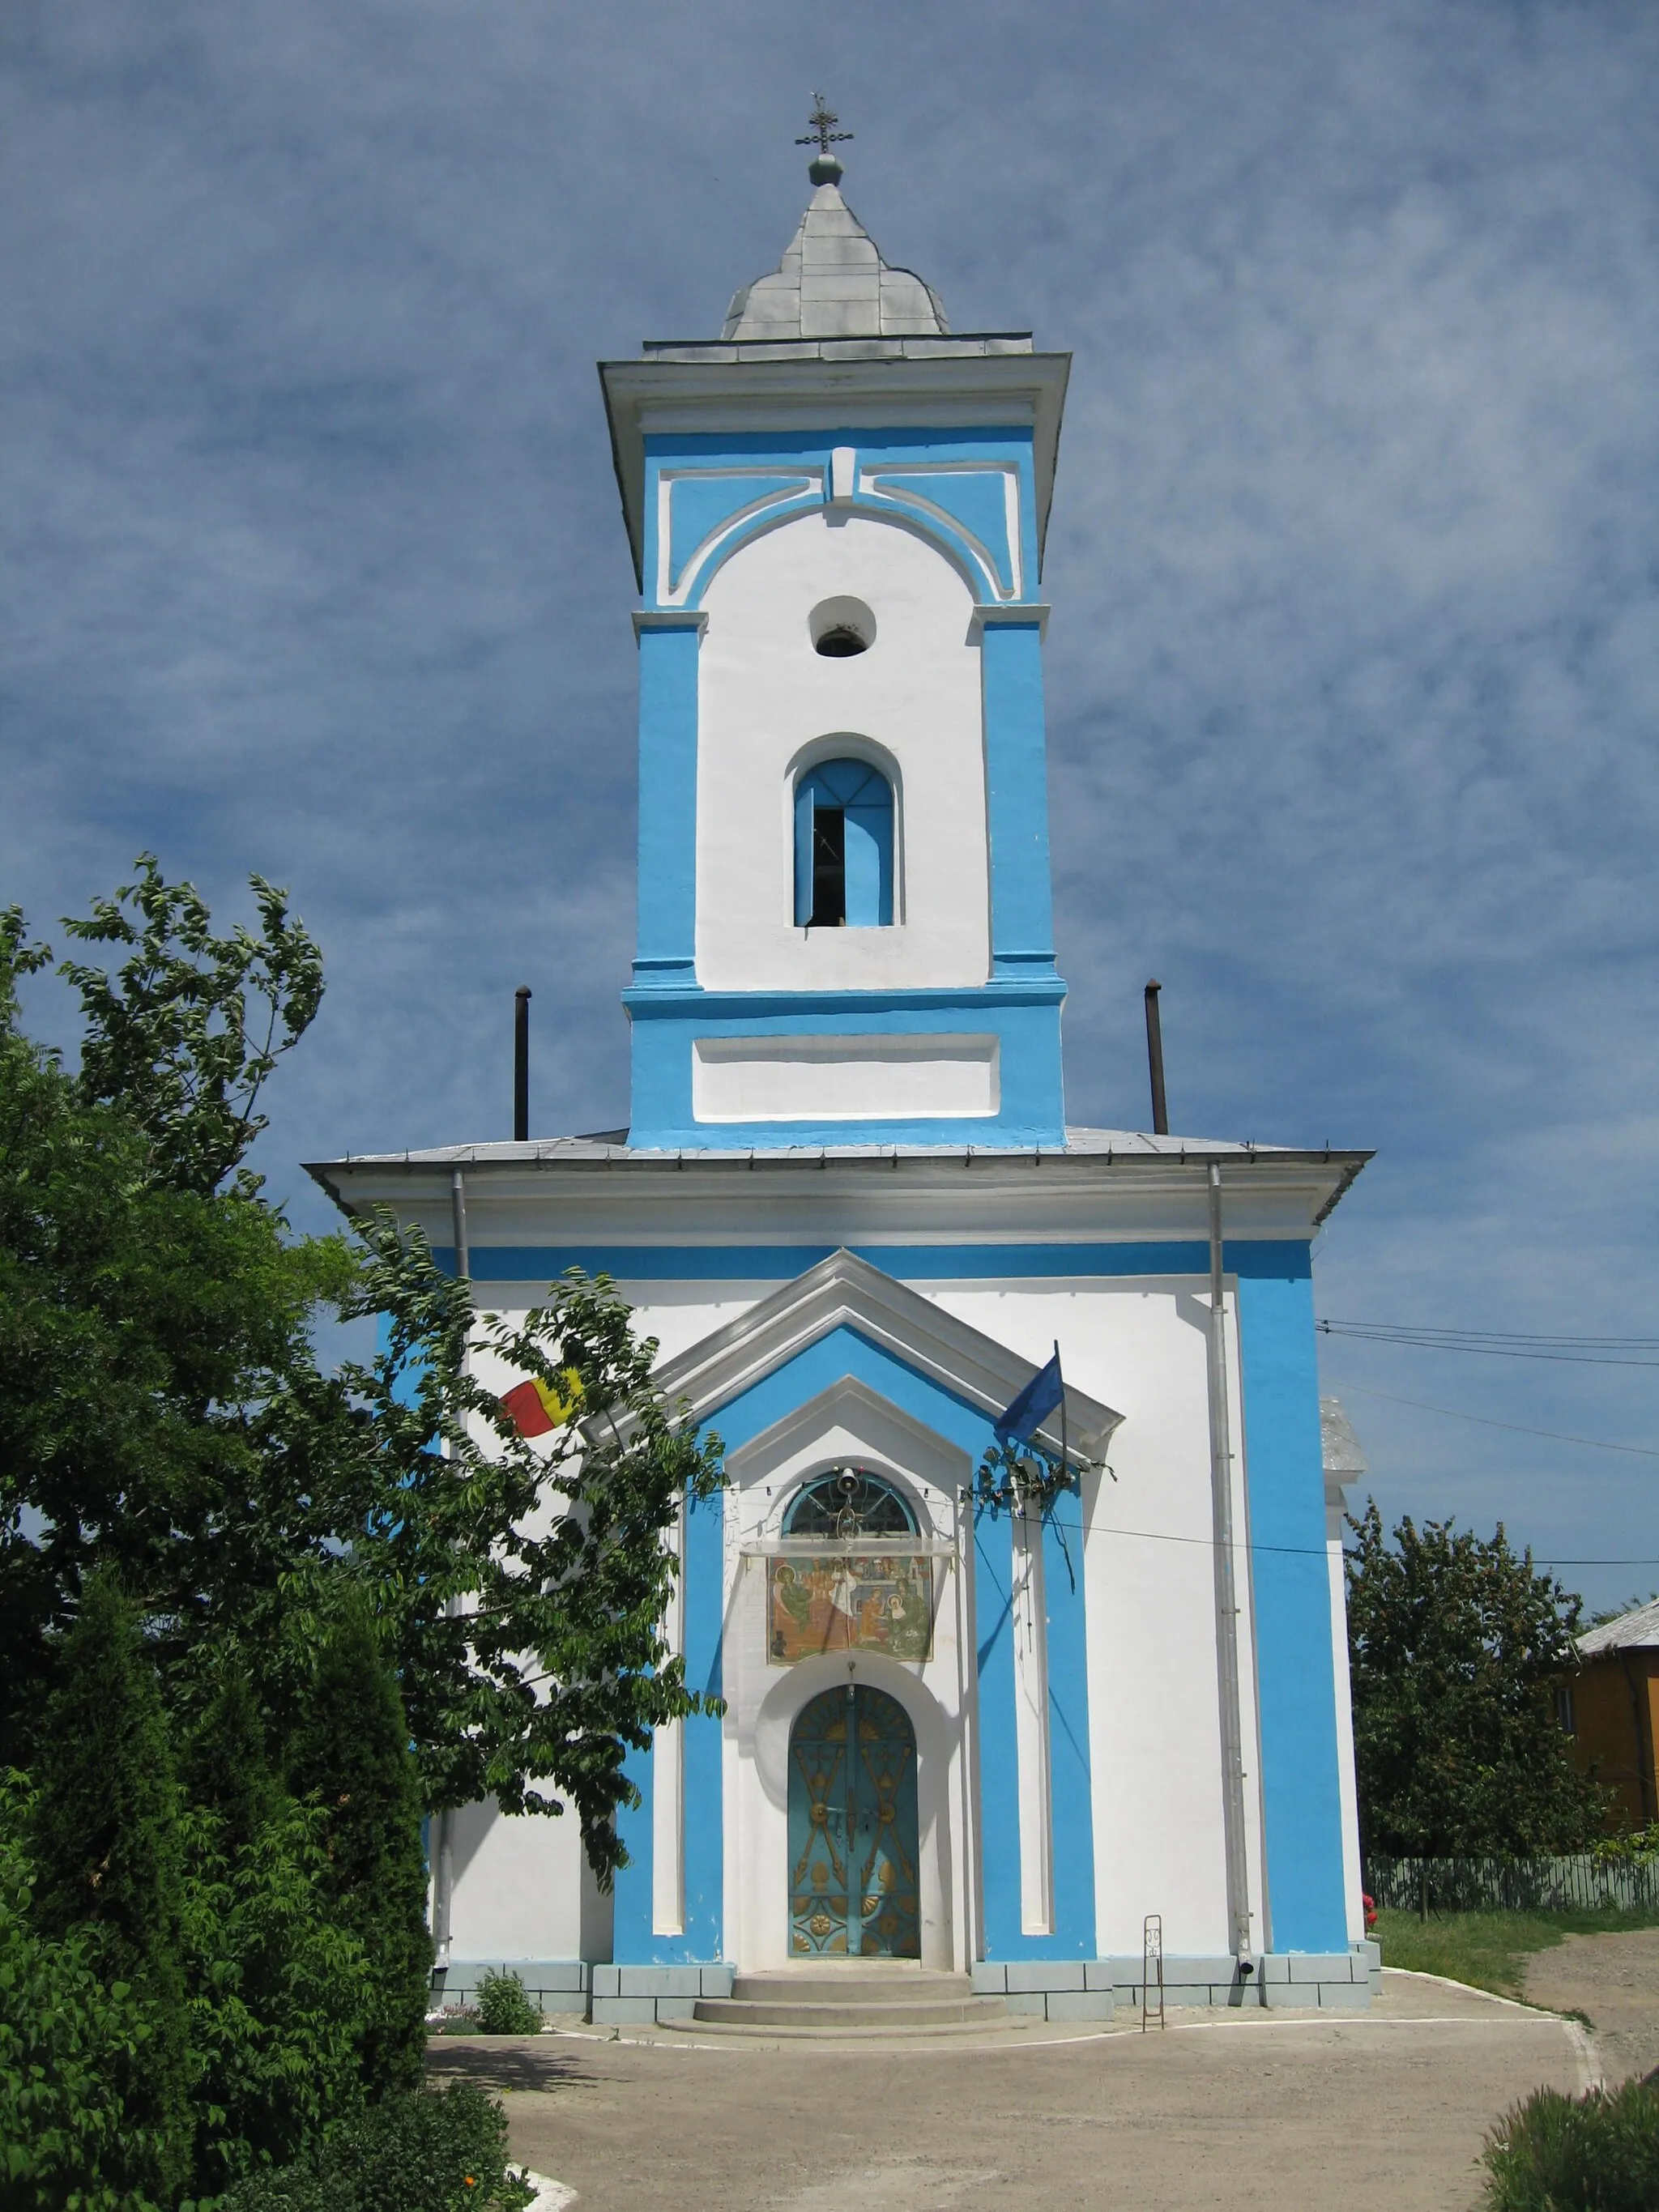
{"type": "Point", "coordinates": [846, 1293]}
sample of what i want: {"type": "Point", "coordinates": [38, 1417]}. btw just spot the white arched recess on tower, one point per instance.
{"type": "Point", "coordinates": [846, 1422]}
{"type": "Point", "coordinates": [768, 702]}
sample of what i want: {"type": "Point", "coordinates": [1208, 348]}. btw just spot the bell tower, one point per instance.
{"type": "Point", "coordinates": [836, 511]}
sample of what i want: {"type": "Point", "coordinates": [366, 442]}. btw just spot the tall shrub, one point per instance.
{"type": "Point", "coordinates": [352, 1753]}
{"type": "Point", "coordinates": [69, 2049]}
{"type": "Point", "coordinates": [281, 1999]}
{"type": "Point", "coordinates": [225, 1764]}
{"type": "Point", "coordinates": [105, 1845]}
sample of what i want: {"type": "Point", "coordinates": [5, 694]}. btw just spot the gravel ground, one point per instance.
{"type": "Point", "coordinates": [1614, 1981]}
{"type": "Point", "coordinates": [1378, 2113]}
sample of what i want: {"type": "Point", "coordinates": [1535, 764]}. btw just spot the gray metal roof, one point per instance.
{"type": "Point", "coordinates": [1085, 1150]}
{"type": "Point", "coordinates": [833, 284]}
{"type": "Point", "coordinates": [612, 1145]}
{"type": "Point", "coordinates": [1631, 1632]}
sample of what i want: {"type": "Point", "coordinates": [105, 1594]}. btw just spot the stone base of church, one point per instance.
{"type": "Point", "coordinates": [1054, 1990]}
{"type": "Point", "coordinates": [1337, 1981]}
{"type": "Point", "coordinates": [635, 1996]}
{"type": "Point", "coordinates": [555, 1985]}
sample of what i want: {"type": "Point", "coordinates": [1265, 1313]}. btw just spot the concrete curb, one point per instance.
{"type": "Point", "coordinates": [550, 2195]}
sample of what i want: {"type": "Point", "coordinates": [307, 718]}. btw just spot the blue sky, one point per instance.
{"type": "Point", "coordinates": [314, 566]}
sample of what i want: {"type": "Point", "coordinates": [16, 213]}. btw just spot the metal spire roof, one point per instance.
{"type": "Point", "coordinates": [832, 282]}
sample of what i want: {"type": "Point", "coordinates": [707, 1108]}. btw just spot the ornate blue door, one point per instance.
{"type": "Point", "coordinates": [852, 1828]}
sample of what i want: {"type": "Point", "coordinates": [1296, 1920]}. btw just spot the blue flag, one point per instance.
{"type": "Point", "coordinates": [1020, 1421]}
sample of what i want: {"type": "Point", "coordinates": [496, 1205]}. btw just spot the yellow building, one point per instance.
{"type": "Point", "coordinates": [1610, 1708]}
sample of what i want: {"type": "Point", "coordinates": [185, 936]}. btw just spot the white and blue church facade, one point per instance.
{"type": "Point", "coordinates": [849, 1208]}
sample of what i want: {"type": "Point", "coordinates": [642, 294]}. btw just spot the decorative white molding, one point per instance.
{"type": "Point", "coordinates": [845, 1079]}
{"type": "Point", "coordinates": [668, 1772]}
{"type": "Point", "coordinates": [788, 490]}
{"type": "Point", "coordinates": [878, 484]}
{"type": "Point", "coordinates": [1029, 1624]}
{"type": "Point", "coordinates": [646, 618]}
{"type": "Point", "coordinates": [1004, 616]}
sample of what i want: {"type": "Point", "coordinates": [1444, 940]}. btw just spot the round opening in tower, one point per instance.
{"type": "Point", "coordinates": [842, 627]}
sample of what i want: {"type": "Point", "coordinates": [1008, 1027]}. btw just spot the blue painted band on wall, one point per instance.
{"type": "Point", "coordinates": [1258, 1259]}
{"type": "Point", "coordinates": [1031, 1105]}
{"type": "Point", "coordinates": [742, 1013]}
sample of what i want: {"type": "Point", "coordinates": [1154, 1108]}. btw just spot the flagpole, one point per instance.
{"type": "Point", "coordinates": [1064, 1454]}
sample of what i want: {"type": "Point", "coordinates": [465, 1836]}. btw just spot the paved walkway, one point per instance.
{"type": "Point", "coordinates": [1383, 2113]}
{"type": "Point", "coordinates": [1614, 1981]}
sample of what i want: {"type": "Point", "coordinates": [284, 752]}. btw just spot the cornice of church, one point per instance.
{"type": "Point", "coordinates": [1111, 1184]}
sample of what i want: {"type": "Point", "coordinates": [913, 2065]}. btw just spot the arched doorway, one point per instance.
{"type": "Point", "coordinates": [853, 1888]}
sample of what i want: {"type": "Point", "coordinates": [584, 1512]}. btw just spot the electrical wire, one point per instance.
{"type": "Point", "coordinates": [1493, 1344]}
{"type": "Point", "coordinates": [1484, 1421]}
{"type": "Point", "coordinates": [1320, 1551]}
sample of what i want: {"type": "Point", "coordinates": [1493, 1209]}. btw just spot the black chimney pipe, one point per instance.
{"type": "Point", "coordinates": [521, 1065]}
{"type": "Point", "coordinates": [1155, 1061]}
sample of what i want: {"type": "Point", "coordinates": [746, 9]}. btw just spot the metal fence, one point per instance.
{"type": "Point", "coordinates": [1512, 1885]}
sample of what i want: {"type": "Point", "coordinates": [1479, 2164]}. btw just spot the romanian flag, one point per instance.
{"type": "Point", "coordinates": [536, 1408]}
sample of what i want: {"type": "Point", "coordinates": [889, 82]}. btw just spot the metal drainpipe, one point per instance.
{"type": "Point", "coordinates": [443, 1886]}
{"type": "Point", "coordinates": [1226, 1595]}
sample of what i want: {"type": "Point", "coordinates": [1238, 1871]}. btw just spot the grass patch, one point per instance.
{"type": "Point", "coordinates": [1490, 1950]}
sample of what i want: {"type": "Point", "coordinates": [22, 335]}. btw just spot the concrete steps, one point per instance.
{"type": "Point", "coordinates": [857, 2000]}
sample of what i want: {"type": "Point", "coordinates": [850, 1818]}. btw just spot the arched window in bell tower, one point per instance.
{"type": "Point", "coordinates": [843, 847]}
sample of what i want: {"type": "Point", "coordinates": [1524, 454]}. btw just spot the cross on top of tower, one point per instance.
{"type": "Point", "coordinates": [824, 168]}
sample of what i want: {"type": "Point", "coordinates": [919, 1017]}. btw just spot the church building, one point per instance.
{"type": "Point", "coordinates": [982, 1748]}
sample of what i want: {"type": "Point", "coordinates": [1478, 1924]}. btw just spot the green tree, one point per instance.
{"type": "Point", "coordinates": [183, 1037]}
{"type": "Point", "coordinates": [106, 1843]}
{"type": "Point", "coordinates": [142, 1326]}
{"type": "Point", "coordinates": [1455, 1643]}
{"type": "Point", "coordinates": [351, 1756]}
{"type": "Point", "coordinates": [163, 1409]}
{"type": "Point", "coordinates": [71, 2044]}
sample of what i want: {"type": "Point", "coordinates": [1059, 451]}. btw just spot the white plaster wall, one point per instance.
{"type": "Point", "coordinates": [523, 1889]}
{"type": "Point", "coordinates": [766, 698]}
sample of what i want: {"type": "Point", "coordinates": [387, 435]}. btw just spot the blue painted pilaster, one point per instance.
{"type": "Point", "coordinates": [666, 949]}
{"type": "Point", "coordinates": [634, 1941]}
{"type": "Point", "coordinates": [1068, 1734]}
{"type": "Point", "coordinates": [1017, 790]}
{"type": "Point", "coordinates": [1295, 1675]}
{"type": "Point", "coordinates": [1071, 1810]}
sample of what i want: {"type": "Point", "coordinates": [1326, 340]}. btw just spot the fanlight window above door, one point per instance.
{"type": "Point", "coordinates": [849, 1502]}
{"type": "Point", "coordinates": [843, 847]}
